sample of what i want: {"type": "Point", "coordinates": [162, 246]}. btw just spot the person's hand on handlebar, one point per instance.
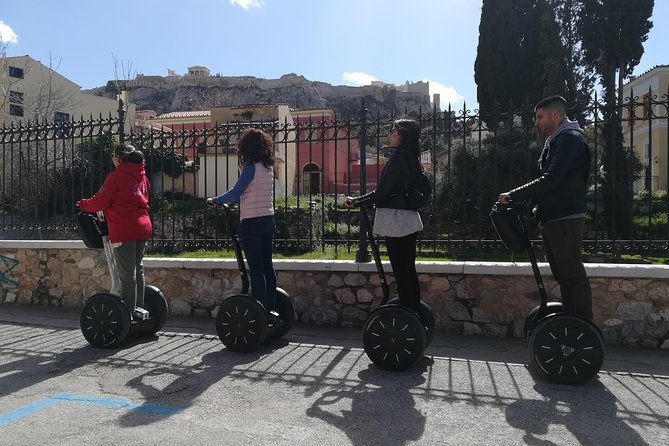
{"type": "Point", "coordinates": [211, 203]}
{"type": "Point", "coordinates": [348, 202]}
{"type": "Point", "coordinates": [504, 198]}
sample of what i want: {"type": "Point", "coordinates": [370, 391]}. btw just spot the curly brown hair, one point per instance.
{"type": "Point", "coordinates": [255, 146]}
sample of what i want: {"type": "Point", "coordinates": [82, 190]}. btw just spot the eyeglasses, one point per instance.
{"type": "Point", "coordinates": [393, 130]}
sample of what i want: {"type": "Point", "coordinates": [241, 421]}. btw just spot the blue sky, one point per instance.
{"type": "Point", "coordinates": [335, 41]}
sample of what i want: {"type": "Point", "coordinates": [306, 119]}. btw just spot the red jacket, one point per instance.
{"type": "Point", "coordinates": [124, 198]}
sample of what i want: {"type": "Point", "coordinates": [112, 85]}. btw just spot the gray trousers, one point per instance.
{"type": "Point", "coordinates": [563, 240]}
{"type": "Point", "coordinates": [130, 271]}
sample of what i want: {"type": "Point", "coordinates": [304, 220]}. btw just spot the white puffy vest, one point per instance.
{"type": "Point", "coordinates": [257, 198]}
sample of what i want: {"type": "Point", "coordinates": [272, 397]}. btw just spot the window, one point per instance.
{"type": "Point", "coordinates": [16, 97]}
{"type": "Point", "coordinates": [61, 117]}
{"type": "Point", "coordinates": [16, 72]}
{"type": "Point", "coordinates": [15, 110]}
{"type": "Point", "coordinates": [646, 106]}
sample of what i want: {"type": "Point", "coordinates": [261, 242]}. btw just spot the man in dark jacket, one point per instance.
{"type": "Point", "coordinates": [559, 194]}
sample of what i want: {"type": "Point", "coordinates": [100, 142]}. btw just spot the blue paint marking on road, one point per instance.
{"type": "Point", "coordinates": [24, 411]}
{"type": "Point", "coordinates": [155, 408]}
{"type": "Point", "coordinates": [98, 401]}
{"type": "Point", "coordinates": [108, 403]}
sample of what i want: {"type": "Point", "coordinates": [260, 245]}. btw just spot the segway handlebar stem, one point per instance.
{"type": "Point", "coordinates": [238, 247]}
{"type": "Point", "coordinates": [376, 254]}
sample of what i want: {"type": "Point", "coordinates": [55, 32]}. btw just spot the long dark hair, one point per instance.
{"type": "Point", "coordinates": [410, 132]}
{"type": "Point", "coordinates": [255, 146]}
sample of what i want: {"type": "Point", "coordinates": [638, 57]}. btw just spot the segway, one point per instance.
{"type": "Point", "coordinates": [106, 321]}
{"type": "Point", "coordinates": [565, 348]}
{"type": "Point", "coordinates": [394, 336]}
{"type": "Point", "coordinates": [243, 323]}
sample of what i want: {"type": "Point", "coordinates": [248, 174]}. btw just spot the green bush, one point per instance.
{"type": "Point", "coordinates": [644, 195]}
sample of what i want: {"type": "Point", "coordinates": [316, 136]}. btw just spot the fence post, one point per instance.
{"type": "Point", "coordinates": [362, 255]}
{"type": "Point", "coordinates": [121, 121]}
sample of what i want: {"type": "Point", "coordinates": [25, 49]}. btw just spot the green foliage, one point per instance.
{"type": "Point", "coordinates": [470, 183]}
{"type": "Point", "coordinates": [657, 226]}
{"type": "Point", "coordinates": [177, 203]}
{"type": "Point", "coordinates": [340, 231]}
{"type": "Point", "coordinates": [520, 56]}
{"type": "Point", "coordinates": [580, 78]}
{"type": "Point", "coordinates": [612, 33]}
{"type": "Point", "coordinates": [90, 165]}
{"type": "Point", "coordinates": [168, 161]}
{"type": "Point", "coordinates": [645, 194]}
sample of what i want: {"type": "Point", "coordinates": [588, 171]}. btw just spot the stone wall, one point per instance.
{"type": "Point", "coordinates": [631, 303]}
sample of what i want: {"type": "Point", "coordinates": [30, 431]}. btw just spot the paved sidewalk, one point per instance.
{"type": "Point", "coordinates": [315, 387]}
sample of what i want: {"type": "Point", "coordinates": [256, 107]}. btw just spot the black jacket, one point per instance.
{"type": "Point", "coordinates": [562, 187]}
{"type": "Point", "coordinates": [395, 178]}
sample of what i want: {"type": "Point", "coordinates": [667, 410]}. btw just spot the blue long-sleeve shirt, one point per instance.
{"type": "Point", "coordinates": [235, 192]}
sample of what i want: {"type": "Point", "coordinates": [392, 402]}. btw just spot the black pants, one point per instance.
{"type": "Point", "coordinates": [402, 253]}
{"type": "Point", "coordinates": [563, 239]}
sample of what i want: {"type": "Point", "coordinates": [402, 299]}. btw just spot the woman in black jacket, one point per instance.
{"type": "Point", "coordinates": [394, 217]}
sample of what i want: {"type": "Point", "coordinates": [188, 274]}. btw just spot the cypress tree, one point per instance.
{"type": "Point", "coordinates": [580, 78]}
{"type": "Point", "coordinates": [613, 32]}
{"type": "Point", "coordinates": [520, 56]}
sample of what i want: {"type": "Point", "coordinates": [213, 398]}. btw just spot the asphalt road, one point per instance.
{"type": "Point", "coordinates": [315, 387]}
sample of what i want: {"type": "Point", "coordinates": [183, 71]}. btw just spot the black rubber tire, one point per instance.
{"type": "Point", "coordinates": [566, 349]}
{"type": "Point", "coordinates": [105, 320]}
{"type": "Point", "coordinates": [531, 319]}
{"type": "Point", "coordinates": [427, 317]}
{"type": "Point", "coordinates": [286, 310]}
{"type": "Point", "coordinates": [241, 323]}
{"type": "Point", "coordinates": [156, 304]}
{"type": "Point", "coordinates": [394, 337]}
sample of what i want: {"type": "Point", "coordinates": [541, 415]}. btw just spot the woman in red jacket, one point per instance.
{"type": "Point", "coordinates": [124, 198]}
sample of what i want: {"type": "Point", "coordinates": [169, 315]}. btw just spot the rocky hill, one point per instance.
{"type": "Point", "coordinates": [183, 93]}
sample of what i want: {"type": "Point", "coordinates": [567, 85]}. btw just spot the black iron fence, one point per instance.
{"type": "Point", "coordinates": [323, 157]}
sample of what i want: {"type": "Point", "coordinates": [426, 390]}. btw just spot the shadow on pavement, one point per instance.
{"type": "Point", "coordinates": [187, 383]}
{"type": "Point", "coordinates": [589, 412]}
{"type": "Point", "coordinates": [35, 358]}
{"type": "Point", "coordinates": [367, 415]}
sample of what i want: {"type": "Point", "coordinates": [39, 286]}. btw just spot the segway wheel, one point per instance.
{"type": "Point", "coordinates": [241, 324]}
{"type": "Point", "coordinates": [533, 317]}
{"type": "Point", "coordinates": [105, 320]}
{"type": "Point", "coordinates": [394, 337]}
{"type": "Point", "coordinates": [566, 349]}
{"type": "Point", "coordinates": [286, 310]}
{"type": "Point", "coordinates": [156, 304]}
{"type": "Point", "coordinates": [426, 315]}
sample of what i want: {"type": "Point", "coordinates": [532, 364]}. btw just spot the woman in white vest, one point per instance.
{"type": "Point", "coordinates": [255, 190]}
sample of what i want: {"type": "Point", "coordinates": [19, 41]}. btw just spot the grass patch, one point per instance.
{"type": "Point", "coordinates": [330, 254]}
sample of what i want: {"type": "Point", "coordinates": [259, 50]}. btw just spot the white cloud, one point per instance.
{"type": "Point", "coordinates": [246, 4]}
{"type": "Point", "coordinates": [7, 34]}
{"type": "Point", "coordinates": [358, 78]}
{"type": "Point", "coordinates": [447, 94]}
